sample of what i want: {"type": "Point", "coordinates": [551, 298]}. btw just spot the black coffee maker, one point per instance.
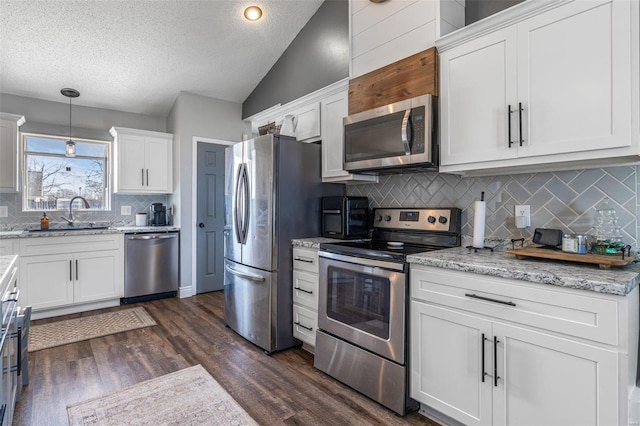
{"type": "Point", "coordinates": [158, 214]}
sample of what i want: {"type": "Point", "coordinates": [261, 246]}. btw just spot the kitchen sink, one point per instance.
{"type": "Point", "coordinates": [75, 228]}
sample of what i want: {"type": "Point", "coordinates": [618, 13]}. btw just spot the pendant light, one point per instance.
{"type": "Point", "coordinates": [70, 149]}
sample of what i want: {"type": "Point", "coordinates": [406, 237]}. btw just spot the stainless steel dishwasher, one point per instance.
{"type": "Point", "coordinates": [151, 266]}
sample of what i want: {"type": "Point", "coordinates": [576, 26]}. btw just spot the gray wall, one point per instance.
{"type": "Point", "coordinates": [53, 118]}
{"type": "Point", "coordinates": [478, 9]}
{"type": "Point", "coordinates": [317, 57]}
{"type": "Point", "coordinates": [196, 116]}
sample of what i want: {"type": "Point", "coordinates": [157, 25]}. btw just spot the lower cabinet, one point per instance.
{"type": "Point", "coordinates": [305, 294]}
{"type": "Point", "coordinates": [482, 364]}
{"type": "Point", "coordinates": [62, 274]}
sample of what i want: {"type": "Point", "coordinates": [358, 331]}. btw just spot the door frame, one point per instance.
{"type": "Point", "coordinates": [194, 203]}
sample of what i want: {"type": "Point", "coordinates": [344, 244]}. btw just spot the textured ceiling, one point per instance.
{"type": "Point", "coordinates": [137, 55]}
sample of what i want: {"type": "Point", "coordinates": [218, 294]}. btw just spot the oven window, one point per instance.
{"type": "Point", "coordinates": [359, 300]}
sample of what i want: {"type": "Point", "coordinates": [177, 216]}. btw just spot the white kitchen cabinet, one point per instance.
{"type": "Point", "coordinates": [307, 122]}
{"type": "Point", "coordinates": [561, 356]}
{"type": "Point", "coordinates": [71, 272]}
{"type": "Point", "coordinates": [143, 161]}
{"type": "Point", "coordinates": [9, 125]}
{"type": "Point", "coordinates": [333, 109]}
{"type": "Point", "coordinates": [305, 294]}
{"type": "Point", "coordinates": [565, 73]}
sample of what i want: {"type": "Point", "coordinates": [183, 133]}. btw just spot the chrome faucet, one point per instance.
{"type": "Point", "coordinates": [71, 220]}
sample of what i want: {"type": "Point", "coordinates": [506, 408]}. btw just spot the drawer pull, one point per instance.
{"type": "Point", "coordinates": [488, 299]}
{"type": "Point", "coordinates": [303, 326]}
{"type": "Point", "coordinates": [303, 290]}
{"type": "Point", "coordinates": [302, 259]}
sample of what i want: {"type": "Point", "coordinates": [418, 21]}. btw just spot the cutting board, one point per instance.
{"type": "Point", "coordinates": [603, 261]}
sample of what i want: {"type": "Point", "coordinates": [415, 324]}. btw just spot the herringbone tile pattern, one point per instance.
{"type": "Point", "coordinates": [560, 200]}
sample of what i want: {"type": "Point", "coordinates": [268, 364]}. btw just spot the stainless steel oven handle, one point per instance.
{"type": "Point", "coordinates": [245, 275]}
{"type": "Point", "coordinates": [395, 266]}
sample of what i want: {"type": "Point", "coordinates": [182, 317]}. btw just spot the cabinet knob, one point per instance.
{"type": "Point", "coordinates": [201, 225]}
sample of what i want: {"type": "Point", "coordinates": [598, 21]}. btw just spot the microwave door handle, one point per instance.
{"type": "Point", "coordinates": [405, 134]}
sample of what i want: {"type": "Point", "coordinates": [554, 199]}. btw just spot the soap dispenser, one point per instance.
{"type": "Point", "coordinates": [44, 221]}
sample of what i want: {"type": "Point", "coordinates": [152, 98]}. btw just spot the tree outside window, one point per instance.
{"type": "Point", "coordinates": [51, 179]}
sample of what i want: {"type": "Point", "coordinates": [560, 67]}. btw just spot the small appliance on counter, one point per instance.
{"type": "Point", "coordinates": [158, 215]}
{"type": "Point", "coordinates": [345, 217]}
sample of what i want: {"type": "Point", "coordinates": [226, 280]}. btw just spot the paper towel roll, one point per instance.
{"type": "Point", "coordinates": [478, 224]}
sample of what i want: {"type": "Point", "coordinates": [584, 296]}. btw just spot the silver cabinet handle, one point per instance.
{"type": "Point", "coordinates": [248, 276]}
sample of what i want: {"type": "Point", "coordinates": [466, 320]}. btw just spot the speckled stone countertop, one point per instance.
{"type": "Point", "coordinates": [6, 265]}
{"type": "Point", "coordinates": [315, 242]}
{"type": "Point", "coordinates": [312, 242]}
{"type": "Point", "coordinates": [619, 281]}
{"type": "Point", "coordinates": [112, 230]}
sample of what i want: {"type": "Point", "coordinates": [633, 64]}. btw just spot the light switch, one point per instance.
{"type": "Point", "coordinates": [4, 211]}
{"type": "Point", "coordinates": [125, 211]}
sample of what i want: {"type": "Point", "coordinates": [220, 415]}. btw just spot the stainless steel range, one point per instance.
{"type": "Point", "coordinates": [364, 300]}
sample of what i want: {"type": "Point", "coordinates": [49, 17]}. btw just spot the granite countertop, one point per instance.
{"type": "Point", "coordinates": [618, 281]}
{"type": "Point", "coordinates": [6, 265]}
{"type": "Point", "coordinates": [111, 230]}
{"type": "Point", "coordinates": [315, 242]}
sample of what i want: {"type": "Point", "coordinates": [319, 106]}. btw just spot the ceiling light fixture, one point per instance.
{"type": "Point", "coordinates": [253, 13]}
{"type": "Point", "coordinates": [70, 149]}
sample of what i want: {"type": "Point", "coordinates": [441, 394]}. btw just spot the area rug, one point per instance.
{"type": "Point", "coordinates": [185, 397]}
{"type": "Point", "coordinates": [84, 328]}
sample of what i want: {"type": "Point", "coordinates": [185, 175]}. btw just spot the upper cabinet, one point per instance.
{"type": "Point", "coordinates": [143, 161]}
{"type": "Point", "coordinates": [382, 33]}
{"type": "Point", "coordinates": [9, 125]}
{"type": "Point", "coordinates": [552, 88]}
{"type": "Point", "coordinates": [313, 118]}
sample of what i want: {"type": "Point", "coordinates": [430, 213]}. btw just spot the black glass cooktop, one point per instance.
{"type": "Point", "coordinates": [387, 250]}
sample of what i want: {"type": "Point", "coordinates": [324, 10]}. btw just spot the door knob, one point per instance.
{"type": "Point", "coordinates": [201, 225]}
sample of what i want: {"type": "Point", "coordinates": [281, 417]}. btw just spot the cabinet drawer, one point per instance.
{"type": "Point", "coordinates": [305, 259]}
{"type": "Point", "coordinates": [70, 244]}
{"type": "Point", "coordinates": [305, 289]}
{"type": "Point", "coordinates": [305, 323]}
{"type": "Point", "coordinates": [577, 313]}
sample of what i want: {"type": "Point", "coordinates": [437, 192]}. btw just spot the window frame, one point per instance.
{"type": "Point", "coordinates": [108, 193]}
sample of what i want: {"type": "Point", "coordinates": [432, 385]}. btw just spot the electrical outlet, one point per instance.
{"type": "Point", "coordinates": [523, 216]}
{"type": "Point", "coordinates": [125, 211]}
{"type": "Point", "coordinates": [4, 211]}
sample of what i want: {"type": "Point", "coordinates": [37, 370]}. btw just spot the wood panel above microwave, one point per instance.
{"type": "Point", "coordinates": [407, 78]}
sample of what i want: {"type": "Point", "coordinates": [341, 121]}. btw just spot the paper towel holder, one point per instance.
{"type": "Point", "coordinates": [475, 249]}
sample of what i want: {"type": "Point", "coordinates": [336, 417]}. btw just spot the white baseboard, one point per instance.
{"type": "Point", "coordinates": [186, 291]}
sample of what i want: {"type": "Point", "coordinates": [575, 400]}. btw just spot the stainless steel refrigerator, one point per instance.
{"type": "Point", "coordinates": [272, 195]}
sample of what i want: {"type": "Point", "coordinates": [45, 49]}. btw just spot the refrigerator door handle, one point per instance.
{"type": "Point", "coordinates": [236, 207]}
{"type": "Point", "coordinates": [247, 212]}
{"type": "Point", "coordinates": [245, 275]}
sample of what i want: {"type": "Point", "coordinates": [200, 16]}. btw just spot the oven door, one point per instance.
{"type": "Point", "coordinates": [363, 301]}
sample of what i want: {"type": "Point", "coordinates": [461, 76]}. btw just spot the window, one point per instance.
{"type": "Point", "coordinates": [51, 179]}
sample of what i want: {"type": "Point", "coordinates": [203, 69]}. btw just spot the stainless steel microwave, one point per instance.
{"type": "Point", "coordinates": [398, 135]}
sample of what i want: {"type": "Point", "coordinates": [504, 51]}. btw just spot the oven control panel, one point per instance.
{"type": "Point", "coordinates": [417, 219]}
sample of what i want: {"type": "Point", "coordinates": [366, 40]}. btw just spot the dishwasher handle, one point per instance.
{"type": "Point", "coordinates": [152, 237]}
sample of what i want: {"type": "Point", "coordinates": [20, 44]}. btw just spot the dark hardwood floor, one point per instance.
{"type": "Point", "coordinates": [283, 388]}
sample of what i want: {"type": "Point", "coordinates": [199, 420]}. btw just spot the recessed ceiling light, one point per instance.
{"type": "Point", "coordinates": [253, 13]}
